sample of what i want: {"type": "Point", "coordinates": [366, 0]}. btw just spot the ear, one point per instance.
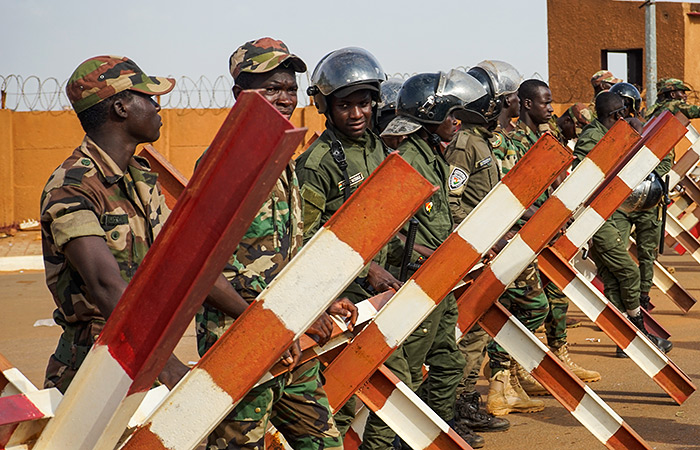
{"type": "Point", "coordinates": [120, 107]}
{"type": "Point", "coordinates": [236, 91]}
{"type": "Point", "coordinates": [527, 103]}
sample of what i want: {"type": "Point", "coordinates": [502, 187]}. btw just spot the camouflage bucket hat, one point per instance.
{"type": "Point", "coordinates": [101, 77]}
{"type": "Point", "coordinates": [263, 55]}
{"type": "Point", "coordinates": [604, 76]}
{"type": "Point", "coordinates": [670, 85]}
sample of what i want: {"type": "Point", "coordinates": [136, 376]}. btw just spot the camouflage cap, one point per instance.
{"type": "Point", "coordinates": [670, 85]}
{"type": "Point", "coordinates": [101, 77]}
{"type": "Point", "coordinates": [604, 76]}
{"type": "Point", "coordinates": [262, 55]}
{"type": "Point", "coordinates": [581, 116]}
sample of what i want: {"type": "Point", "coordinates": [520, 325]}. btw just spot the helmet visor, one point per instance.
{"type": "Point", "coordinates": [461, 85]}
{"type": "Point", "coordinates": [506, 78]}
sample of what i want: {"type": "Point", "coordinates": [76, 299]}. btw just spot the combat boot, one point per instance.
{"type": "Point", "coordinates": [663, 344]}
{"type": "Point", "coordinates": [586, 375]}
{"type": "Point", "coordinates": [528, 382]}
{"type": "Point", "coordinates": [468, 412]}
{"type": "Point", "coordinates": [466, 433]}
{"type": "Point", "coordinates": [504, 399]}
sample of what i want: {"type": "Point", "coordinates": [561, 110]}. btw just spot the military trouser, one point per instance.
{"type": "Point", "coordinates": [73, 346]}
{"type": "Point", "coordinates": [432, 343]}
{"type": "Point", "coordinates": [647, 234]}
{"type": "Point", "coordinates": [295, 403]}
{"type": "Point", "coordinates": [473, 347]}
{"type": "Point", "coordinates": [615, 267]}
{"type": "Point", "coordinates": [525, 299]}
{"type": "Point", "coordinates": [555, 323]}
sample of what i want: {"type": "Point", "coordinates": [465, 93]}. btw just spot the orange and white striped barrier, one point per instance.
{"type": "Point", "coordinates": [128, 356]}
{"type": "Point", "coordinates": [690, 158]}
{"type": "Point", "coordinates": [288, 306]}
{"type": "Point", "coordinates": [450, 262]}
{"type": "Point", "coordinates": [580, 400]}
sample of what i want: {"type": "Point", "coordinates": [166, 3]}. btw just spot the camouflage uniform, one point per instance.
{"type": "Point", "coordinates": [614, 264]}
{"type": "Point", "coordinates": [88, 195]}
{"type": "Point", "coordinates": [474, 171]}
{"type": "Point", "coordinates": [525, 297]}
{"type": "Point", "coordinates": [503, 149]}
{"type": "Point", "coordinates": [433, 342]}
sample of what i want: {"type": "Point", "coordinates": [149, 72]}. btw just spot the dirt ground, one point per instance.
{"type": "Point", "coordinates": [24, 299]}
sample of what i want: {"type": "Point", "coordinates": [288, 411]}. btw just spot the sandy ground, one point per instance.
{"type": "Point", "coordinates": [24, 299]}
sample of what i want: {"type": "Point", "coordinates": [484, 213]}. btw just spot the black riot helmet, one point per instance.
{"type": "Point", "coordinates": [428, 98]}
{"type": "Point", "coordinates": [388, 95]}
{"type": "Point", "coordinates": [630, 95]}
{"type": "Point", "coordinates": [342, 72]}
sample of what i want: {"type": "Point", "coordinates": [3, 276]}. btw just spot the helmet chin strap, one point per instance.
{"type": "Point", "coordinates": [434, 141]}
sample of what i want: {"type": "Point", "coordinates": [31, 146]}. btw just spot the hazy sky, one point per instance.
{"type": "Point", "coordinates": [194, 38]}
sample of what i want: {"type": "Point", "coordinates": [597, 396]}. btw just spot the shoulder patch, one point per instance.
{"type": "Point", "coordinates": [496, 140]}
{"type": "Point", "coordinates": [457, 178]}
{"type": "Point", "coordinates": [486, 162]}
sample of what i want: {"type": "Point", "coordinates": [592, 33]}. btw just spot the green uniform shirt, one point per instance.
{"type": "Point", "coordinates": [589, 137]}
{"type": "Point", "coordinates": [674, 106]}
{"type": "Point", "coordinates": [503, 149]}
{"type": "Point", "coordinates": [523, 138]}
{"type": "Point", "coordinates": [89, 195]}
{"type": "Point", "coordinates": [474, 169]}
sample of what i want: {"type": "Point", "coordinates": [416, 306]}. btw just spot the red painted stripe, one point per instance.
{"type": "Point", "coordinates": [682, 298]}
{"type": "Point", "coordinates": [6, 432]}
{"type": "Point", "coordinates": [477, 299]}
{"type": "Point", "coordinates": [239, 161]}
{"type": "Point", "coordinates": [18, 408]}
{"type": "Point", "coordinates": [676, 383]}
{"type": "Point", "coordinates": [546, 159]}
{"type": "Point", "coordinates": [448, 440]}
{"type": "Point", "coordinates": [354, 366]}
{"type": "Point", "coordinates": [565, 247]}
{"type": "Point", "coordinates": [171, 180]}
{"type": "Point", "coordinates": [235, 367]}
{"type": "Point", "coordinates": [561, 382]}
{"type": "Point", "coordinates": [626, 439]}
{"type": "Point", "coordinates": [537, 236]}
{"type": "Point", "coordinates": [616, 326]}
{"type": "Point", "coordinates": [389, 185]}
{"type": "Point", "coordinates": [352, 441]}
{"type": "Point", "coordinates": [670, 134]}
{"type": "Point", "coordinates": [611, 197]}
{"type": "Point", "coordinates": [554, 267]}
{"type": "Point", "coordinates": [685, 163]}
{"type": "Point", "coordinates": [620, 136]}
{"type": "Point", "coordinates": [376, 391]}
{"type": "Point", "coordinates": [444, 262]}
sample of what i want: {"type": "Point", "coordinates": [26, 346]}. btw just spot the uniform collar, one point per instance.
{"type": "Point", "coordinates": [106, 165]}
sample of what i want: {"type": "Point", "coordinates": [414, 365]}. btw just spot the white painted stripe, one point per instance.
{"type": "Point", "coordinates": [582, 292]}
{"type": "Point", "coordinates": [584, 227]}
{"type": "Point", "coordinates": [597, 416]}
{"type": "Point", "coordinates": [646, 355]}
{"type": "Point", "coordinates": [312, 280]}
{"type": "Point", "coordinates": [672, 226]}
{"type": "Point", "coordinates": [358, 423]}
{"type": "Point", "coordinates": [19, 384]}
{"type": "Point", "coordinates": [521, 344]}
{"type": "Point", "coordinates": [512, 260]}
{"type": "Point", "coordinates": [96, 391]}
{"type": "Point", "coordinates": [406, 309]}
{"type": "Point", "coordinates": [491, 218]}
{"type": "Point", "coordinates": [120, 420]}
{"type": "Point", "coordinates": [16, 263]}
{"type": "Point", "coordinates": [365, 311]}
{"type": "Point", "coordinates": [458, 334]}
{"type": "Point", "coordinates": [154, 397]}
{"type": "Point", "coordinates": [580, 184]}
{"type": "Point", "coordinates": [46, 400]}
{"type": "Point", "coordinates": [688, 221]}
{"type": "Point", "coordinates": [639, 167]}
{"type": "Point", "coordinates": [696, 255]}
{"type": "Point", "coordinates": [662, 279]}
{"type": "Point", "coordinates": [195, 406]}
{"type": "Point", "coordinates": [417, 426]}
{"type": "Point", "coordinates": [678, 207]}
{"type": "Point", "coordinates": [693, 136]}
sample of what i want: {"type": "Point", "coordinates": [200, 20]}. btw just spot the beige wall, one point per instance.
{"type": "Point", "coordinates": [33, 144]}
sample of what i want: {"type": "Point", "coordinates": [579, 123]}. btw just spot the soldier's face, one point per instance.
{"type": "Point", "coordinates": [352, 114]}
{"type": "Point", "coordinates": [679, 95]}
{"type": "Point", "coordinates": [143, 121]}
{"type": "Point", "coordinates": [540, 106]}
{"type": "Point", "coordinates": [279, 87]}
{"type": "Point", "coordinates": [448, 128]}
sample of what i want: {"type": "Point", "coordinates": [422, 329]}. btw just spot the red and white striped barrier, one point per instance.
{"type": "Point", "coordinates": [690, 158]}
{"type": "Point", "coordinates": [22, 416]}
{"type": "Point", "coordinates": [128, 356]}
{"type": "Point", "coordinates": [585, 296]}
{"type": "Point", "coordinates": [12, 381]}
{"type": "Point", "coordinates": [287, 307]}
{"type": "Point", "coordinates": [572, 393]}
{"type": "Point", "coordinates": [492, 218]}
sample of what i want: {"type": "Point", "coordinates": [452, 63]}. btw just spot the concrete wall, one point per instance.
{"type": "Point", "coordinates": [579, 30]}
{"type": "Point", "coordinates": [33, 144]}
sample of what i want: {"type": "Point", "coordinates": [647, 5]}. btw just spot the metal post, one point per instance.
{"type": "Point", "coordinates": [650, 43]}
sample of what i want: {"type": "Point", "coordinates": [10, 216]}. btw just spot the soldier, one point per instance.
{"type": "Point", "coordinates": [102, 208]}
{"type": "Point", "coordinates": [345, 88]}
{"type": "Point", "coordinates": [602, 80]}
{"type": "Point", "coordinates": [386, 111]}
{"type": "Point", "coordinates": [503, 148]}
{"type": "Point", "coordinates": [294, 402]}
{"type": "Point", "coordinates": [426, 108]}
{"type": "Point", "coordinates": [474, 171]}
{"type": "Point", "coordinates": [614, 265]}
{"type": "Point", "coordinates": [526, 298]}
{"type": "Point", "coordinates": [672, 97]}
